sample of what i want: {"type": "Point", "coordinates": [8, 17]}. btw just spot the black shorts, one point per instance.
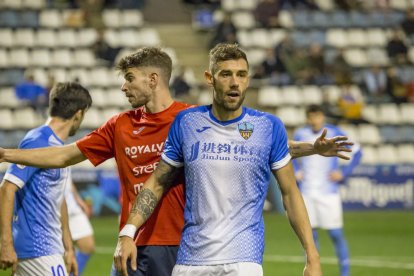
{"type": "Point", "coordinates": [154, 260]}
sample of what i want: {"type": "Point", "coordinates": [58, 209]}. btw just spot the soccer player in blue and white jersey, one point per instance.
{"type": "Point", "coordinates": [228, 153]}
{"type": "Point", "coordinates": [34, 235]}
{"type": "Point", "coordinates": [319, 180]}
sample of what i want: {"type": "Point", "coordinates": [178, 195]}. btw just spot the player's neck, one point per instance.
{"type": "Point", "coordinates": [160, 102]}
{"type": "Point", "coordinates": [60, 127]}
{"type": "Point", "coordinates": [222, 114]}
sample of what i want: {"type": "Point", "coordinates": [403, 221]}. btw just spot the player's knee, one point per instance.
{"type": "Point", "coordinates": [336, 234]}
{"type": "Point", "coordinates": [86, 245]}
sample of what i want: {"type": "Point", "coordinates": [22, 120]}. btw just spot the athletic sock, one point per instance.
{"type": "Point", "coordinates": [341, 249]}
{"type": "Point", "coordinates": [82, 259]}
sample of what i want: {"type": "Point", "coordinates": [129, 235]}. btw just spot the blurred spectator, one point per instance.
{"type": "Point", "coordinates": [317, 65]}
{"type": "Point", "coordinates": [396, 88]}
{"type": "Point", "coordinates": [92, 13]}
{"type": "Point", "coordinates": [341, 70]}
{"type": "Point", "coordinates": [225, 32]}
{"type": "Point", "coordinates": [273, 69]}
{"type": "Point", "coordinates": [104, 53]}
{"type": "Point", "coordinates": [266, 13]}
{"type": "Point", "coordinates": [396, 49]}
{"type": "Point", "coordinates": [32, 94]}
{"type": "Point", "coordinates": [298, 67]}
{"type": "Point", "coordinates": [179, 86]}
{"type": "Point", "coordinates": [350, 104]}
{"type": "Point", "coordinates": [296, 4]}
{"type": "Point", "coordinates": [408, 24]}
{"type": "Point", "coordinates": [348, 5]}
{"type": "Point", "coordinates": [375, 81]}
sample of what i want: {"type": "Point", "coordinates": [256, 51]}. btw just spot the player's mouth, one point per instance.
{"type": "Point", "coordinates": [233, 95]}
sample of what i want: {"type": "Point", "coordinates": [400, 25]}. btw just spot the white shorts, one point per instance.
{"type": "Point", "coordinates": [79, 226]}
{"type": "Point", "coordinates": [53, 265]}
{"type": "Point", "coordinates": [234, 269]}
{"type": "Point", "coordinates": [324, 211]}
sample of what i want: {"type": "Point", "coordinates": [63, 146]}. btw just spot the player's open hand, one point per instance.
{"type": "Point", "coordinates": [70, 262]}
{"type": "Point", "coordinates": [332, 147]}
{"type": "Point", "coordinates": [8, 257]}
{"type": "Point", "coordinates": [125, 249]}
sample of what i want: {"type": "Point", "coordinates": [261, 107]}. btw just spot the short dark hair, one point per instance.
{"type": "Point", "coordinates": [313, 108]}
{"type": "Point", "coordinates": [148, 57]}
{"type": "Point", "coordinates": [225, 51]}
{"type": "Point", "coordinates": [66, 98]}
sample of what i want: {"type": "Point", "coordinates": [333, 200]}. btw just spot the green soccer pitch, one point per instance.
{"type": "Point", "coordinates": [381, 244]}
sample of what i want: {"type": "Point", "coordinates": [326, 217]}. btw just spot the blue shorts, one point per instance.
{"type": "Point", "coordinates": [152, 260]}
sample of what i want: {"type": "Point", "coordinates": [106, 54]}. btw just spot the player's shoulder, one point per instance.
{"type": "Point", "coordinates": [192, 110]}
{"type": "Point", "coordinates": [261, 115]}
{"type": "Point", "coordinates": [42, 136]}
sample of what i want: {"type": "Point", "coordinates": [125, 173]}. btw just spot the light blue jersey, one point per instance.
{"type": "Point", "coordinates": [36, 219]}
{"type": "Point", "coordinates": [227, 170]}
{"type": "Point", "coordinates": [316, 169]}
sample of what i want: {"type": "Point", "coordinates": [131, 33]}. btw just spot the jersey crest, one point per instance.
{"type": "Point", "coordinates": [245, 130]}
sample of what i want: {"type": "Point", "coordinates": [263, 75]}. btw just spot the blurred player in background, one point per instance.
{"type": "Point", "coordinates": [34, 238]}
{"type": "Point", "coordinates": [319, 179]}
{"type": "Point", "coordinates": [79, 225]}
{"type": "Point", "coordinates": [136, 139]}
{"type": "Point", "coordinates": [228, 152]}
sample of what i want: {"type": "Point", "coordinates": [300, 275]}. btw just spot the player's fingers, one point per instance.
{"type": "Point", "coordinates": [323, 134]}
{"type": "Point", "coordinates": [344, 149]}
{"type": "Point", "coordinates": [14, 267]}
{"type": "Point", "coordinates": [340, 138]}
{"type": "Point", "coordinates": [343, 156]}
{"type": "Point", "coordinates": [124, 266]}
{"type": "Point", "coordinates": [134, 260]}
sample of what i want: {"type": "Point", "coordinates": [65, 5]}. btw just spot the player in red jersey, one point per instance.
{"type": "Point", "coordinates": [135, 139]}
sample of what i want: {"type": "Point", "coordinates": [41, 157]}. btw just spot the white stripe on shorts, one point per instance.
{"type": "Point", "coordinates": [234, 269]}
{"type": "Point", "coordinates": [53, 265]}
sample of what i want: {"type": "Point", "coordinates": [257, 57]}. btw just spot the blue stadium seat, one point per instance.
{"type": "Point", "coordinates": [340, 19]}
{"type": "Point", "coordinates": [9, 19]}
{"type": "Point", "coordinates": [358, 19]}
{"type": "Point", "coordinates": [390, 134]}
{"type": "Point", "coordinates": [29, 19]}
{"type": "Point", "coordinates": [319, 19]}
{"type": "Point", "coordinates": [301, 19]}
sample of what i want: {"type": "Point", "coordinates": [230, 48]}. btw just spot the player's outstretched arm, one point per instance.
{"type": "Point", "coordinates": [298, 218]}
{"type": "Point", "coordinates": [328, 147]}
{"type": "Point", "coordinates": [8, 257]}
{"type": "Point", "coordinates": [158, 183]}
{"type": "Point", "coordinates": [49, 157]}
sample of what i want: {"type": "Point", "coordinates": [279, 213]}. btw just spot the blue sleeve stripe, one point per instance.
{"type": "Point", "coordinates": [281, 163]}
{"type": "Point", "coordinates": [14, 179]}
{"type": "Point", "coordinates": [171, 162]}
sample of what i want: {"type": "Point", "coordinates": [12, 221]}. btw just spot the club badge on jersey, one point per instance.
{"type": "Point", "coordinates": [246, 129]}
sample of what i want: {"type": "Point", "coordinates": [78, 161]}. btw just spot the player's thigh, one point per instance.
{"type": "Point", "coordinates": [53, 265]}
{"type": "Point", "coordinates": [310, 205]}
{"type": "Point", "coordinates": [234, 269]}
{"type": "Point", "coordinates": [330, 211]}
{"type": "Point", "coordinates": [79, 226]}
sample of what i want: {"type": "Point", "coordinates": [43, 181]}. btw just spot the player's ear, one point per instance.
{"type": "Point", "coordinates": [154, 78]}
{"type": "Point", "coordinates": [209, 78]}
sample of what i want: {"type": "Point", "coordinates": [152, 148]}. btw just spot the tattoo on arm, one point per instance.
{"type": "Point", "coordinates": [147, 199]}
{"type": "Point", "coordinates": [145, 203]}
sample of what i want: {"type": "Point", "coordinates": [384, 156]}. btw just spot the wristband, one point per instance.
{"type": "Point", "coordinates": [128, 230]}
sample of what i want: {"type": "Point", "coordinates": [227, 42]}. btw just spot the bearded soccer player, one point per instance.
{"type": "Point", "coordinates": [136, 139]}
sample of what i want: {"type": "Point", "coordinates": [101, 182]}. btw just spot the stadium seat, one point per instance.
{"type": "Point", "coordinates": [390, 134]}
{"type": "Point", "coordinates": [377, 56]}
{"type": "Point", "coordinates": [356, 57]}
{"type": "Point", "coordinates": [260, 38]}
{"type": "Point", "coordinates": [389, 114]}
{"type": "Point", "coordinates": [108, 113]}
{"type": "Point", "coordinates": [370, 113]}
{"type": "Point", "coordinates": [41, 76]}
{"type": "Point", "coordinates": [9, 19]}
{"type": "Point", "coordinates": [98, 77]}
{"type": "Point", "coordinates": [80, 75]}
{"type": "Point", "coordinates": [376, 37]}
{"type": "Point", "coordinates": [356, 37]}
{"type": "Point", "coordinates": [116, 98]}
{"type": "Point", "coordinates": [131, 18]}
{"type": "Point", "coordinates": [337, 38]}
{"type": "Point", "coordinates": [229, 5]}
{"type": "Point", "coordinates": [351, 131]}
{"type": "Point", "coordinates": [326, 5]}
{"type": "Point", "coordinates": [332, 93]}
{"type": "Point", "coordinates": [369, 156]}
{"type": "Point", "coordinates": [26, 118]}
{"type": "Point", "coordinates": [319, 19]}
{"type": "Point", "coordinates": [7, 38]}
{"type": "Point", "coordinates": [407, 113]}
{"type": "Point", "coordinates": [24, 38]}
{"type": "Point", "coordinates": [285, 19]}
{"type": "Point", "coordinates": [4, 58]}
{"type": "Point", "coordinates": [399, 4]}
{"type": "Point", "coordinates": [93, 119]}
{"type": "Point", "coordinates": [301, 19]}
{"type": "Point", "coordinates": [67, 38]}
{"type": "Point", "coordinates": [340, 19]}
{"type": "Point", "coordinates": [19, 57]}
{"type": "Point", "coordinates": [244, 37]}
{"type": "Point", "coordinates": [29, 19]}
{"type": "Point", "coordinates": [61, 74]}
{"type": "Point", "coordinates": [12, 4]}
{"type": "Point", "coordinates": [84, 58]}
{"type": "Point", "coordinates": [45, 38]}
{"type": "Point", "coordinates": [369, 134]}
{"type": "Point", "coordinates": [270, 96]}
{"type": "Point", "coordinates": [112, 18]}
{"type": "Point", "coordinates": [6, 121]}
{"type": "Point", "coordinates": [292, 95]}
{"type": "Point", "coordinates": [291, 116]}
{"type": "Point", "coordinates": [34, 4]}
{"type": "Point", "coordinates": [204, 97]}
{"type": "Point", "coordinates": [407, 134]}
{"type": "Point", "coordinates": [358, 19]}
{"type": "Point", "coordinates": [387, 154]}
{"type": "Point", "coordinates": [99, 98]}
{"type": "Point", "coordinates": [276, 36]}
{"type": "Point", "coordinates": [256, 56]}
{"type": "Point", "coordinates": [87, 37]}
{"type": "Point", "coordinates": [243, 20]}
{"type": "Point", "coordinates": [50, 19]}
{"type": "Point", "coordinates": [8, 98]}
{"type": "Point", "coordinates": [62, 58]}
{"type": "Point", "coordinates": [149, 37]}
{"type": "Point", "coordinates": [311, 94]}
{"type": "Point", "coordinates": [405, 153]}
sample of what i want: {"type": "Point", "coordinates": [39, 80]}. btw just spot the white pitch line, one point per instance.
{"type": "Point", "coordinates": [366, 261]}
{"type": "Point", "coordinates": [354, 261]}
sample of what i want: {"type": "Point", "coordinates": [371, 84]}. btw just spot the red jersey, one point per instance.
{"type": "Point", "coordinates": [136, 140]}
